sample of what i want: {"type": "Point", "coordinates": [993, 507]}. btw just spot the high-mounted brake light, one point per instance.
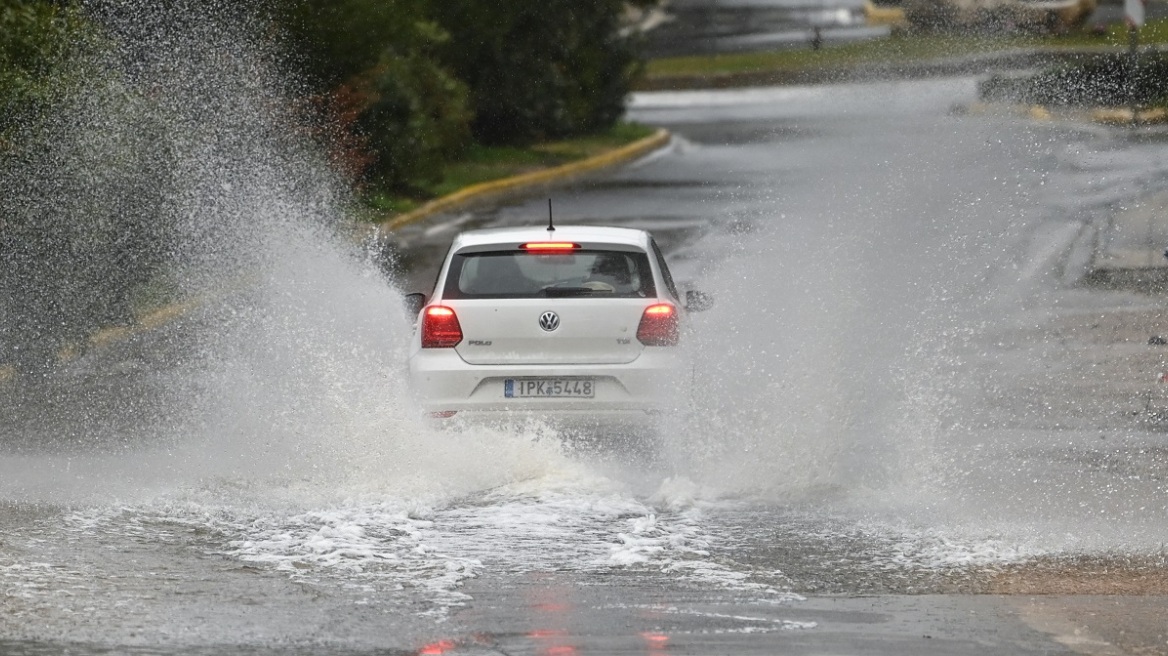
{"type": "Point", "coordinates": [659, 326]}
{"type": "Point", "coordinates": [549, 246]}
{"type": "Point", "coordinates": [440, 327]}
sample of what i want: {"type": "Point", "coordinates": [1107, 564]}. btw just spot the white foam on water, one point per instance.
{"type": "Point", "coordinates": [567, 516]}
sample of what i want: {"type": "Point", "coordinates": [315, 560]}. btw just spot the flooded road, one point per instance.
{"type": "Point", "coordinates": [909, 404]}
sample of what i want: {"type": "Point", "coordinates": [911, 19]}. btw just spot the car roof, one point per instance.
{"type": "Point", "coordinates": [575, 233]}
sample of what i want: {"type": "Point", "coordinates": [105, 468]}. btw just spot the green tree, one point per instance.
{"type": "Point", "coordinates": [333, 40]}
{"type": "Point", "coordinates": [398, 112]}
{"type": "Point", "coordinates": [539, 68]}
{"type": "Point", "coordinates": [35, 39]}
{"type": "Point", "coordinates": [415, 119]}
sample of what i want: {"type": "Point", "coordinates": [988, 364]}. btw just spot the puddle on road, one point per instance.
{"type": "Point", "coordinates": [812, 555]}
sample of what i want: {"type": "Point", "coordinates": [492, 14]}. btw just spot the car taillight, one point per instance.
{"type": "Point", "coordinates": [659, 326]}
{"type": "Point", "coordinates": [440, 327]}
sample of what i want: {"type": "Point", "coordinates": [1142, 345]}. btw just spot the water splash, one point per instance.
{"type": "Point", "coordinates": [176, 140]}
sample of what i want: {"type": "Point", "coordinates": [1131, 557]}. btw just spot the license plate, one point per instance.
{"type": "Point", "coordinates": [552, 388]}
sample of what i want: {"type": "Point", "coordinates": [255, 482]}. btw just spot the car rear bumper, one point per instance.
{"type": "Point", "coordinates": [611, 426]}
{"type": "Point", "coordinates": [651, 384]}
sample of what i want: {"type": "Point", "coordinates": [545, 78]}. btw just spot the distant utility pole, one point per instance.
{"type": "Point", "coordinates": [712, 35]}
{"type": "Point", "coordinates": [1133, 14]}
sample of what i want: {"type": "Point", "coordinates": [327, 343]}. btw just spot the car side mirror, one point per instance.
{"type": "Point", "coordinates": [698, 301]}
{"type": "Point", "coordinates": [413, 304]}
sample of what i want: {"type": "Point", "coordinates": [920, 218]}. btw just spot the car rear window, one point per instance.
{"type": "Point", "coordinates": [520, 274]}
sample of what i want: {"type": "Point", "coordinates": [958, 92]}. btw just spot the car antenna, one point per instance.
{"type": "Point", "coordinates": [551, 227]}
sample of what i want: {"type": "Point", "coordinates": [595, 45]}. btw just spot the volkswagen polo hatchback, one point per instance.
{"type": "Point", "coordinates": [577, 320]}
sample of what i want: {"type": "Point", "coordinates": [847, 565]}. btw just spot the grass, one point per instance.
{"type": "Point", "coordinates": [898, 48]}
{"type": "Point", "coordinates": [486, 163]}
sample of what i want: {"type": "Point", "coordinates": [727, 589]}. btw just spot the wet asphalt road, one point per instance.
{"type": "Point", "coordinates": [885, 426]}
{"type": "Point", "coordinates": [884, 186]}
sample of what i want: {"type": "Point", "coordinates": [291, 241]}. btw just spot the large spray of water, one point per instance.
{"type": "Point", "coordinates": [173, 168]}
{"type": "Point", "coordinates": [880, 344]}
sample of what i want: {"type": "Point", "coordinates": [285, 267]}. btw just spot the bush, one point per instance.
{"type": "Point", "coordinates": [394, 113]}
{"type": "Point", "coordinates": [414, 118]}
{"type": "Point", "coordinates": [333, 40]}
{"type": "Point", "coordinates": [35, 39]}
{"type": "Point", "coordinates": [539, 69]}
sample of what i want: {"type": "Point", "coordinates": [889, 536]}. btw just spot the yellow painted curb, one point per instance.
{"type": "Point", "coordinates": [148, 322]}
{"type": "Point", "coordinates": [1124, 116]}
{"type": "Point", "coordinates": [529, 181]}
{"type": "Point", "coordinates": [893, 16]}
{"type": "Point", "coordinates": [1039, 113]}
{"type": "Point", "coordinates": [1105, 115]}
{"type": "Point", "coordinates": [113, 334]}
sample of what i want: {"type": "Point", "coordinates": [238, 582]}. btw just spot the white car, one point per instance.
{"type": "Point", "coordinates": [581, 322]}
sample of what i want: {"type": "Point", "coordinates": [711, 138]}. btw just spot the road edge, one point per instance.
{"type": "Point", "coordinates": [928, 67]}
{"type": "Point", "coordinates": [528, 182]}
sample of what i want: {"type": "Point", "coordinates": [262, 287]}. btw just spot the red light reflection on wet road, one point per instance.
{"type": "Point", "coordinates": [440, 647]}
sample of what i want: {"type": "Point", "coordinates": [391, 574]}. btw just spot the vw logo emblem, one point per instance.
{"type": "Point", "coordinates": [549, 321]}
